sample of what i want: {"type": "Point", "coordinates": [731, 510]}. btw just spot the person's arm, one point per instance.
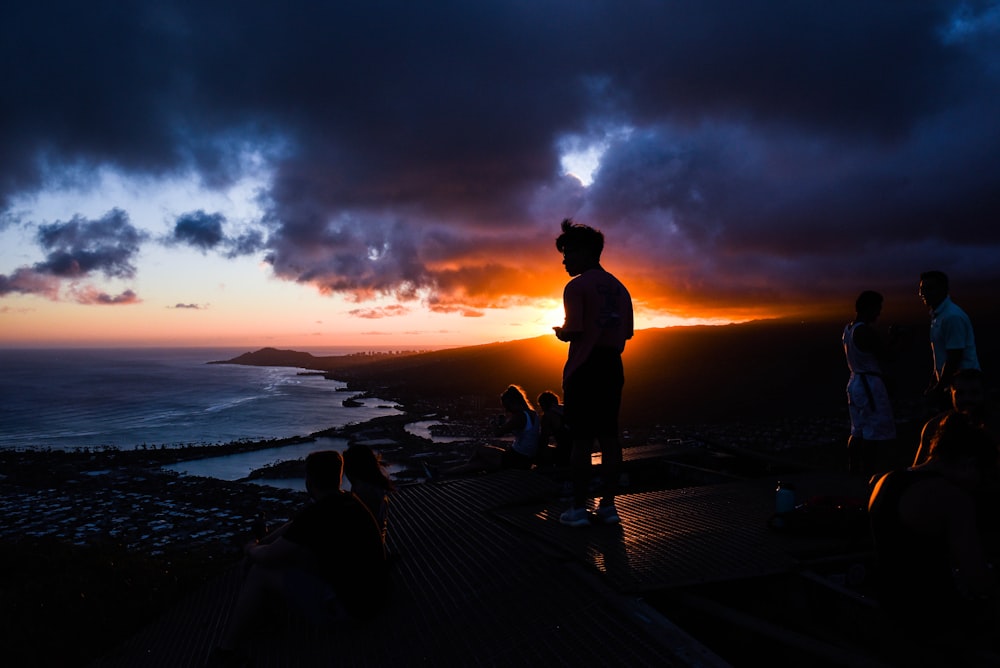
{"type": "Point", "coordinates": [572, 327]}
{"type": "Point", "coordinates": [276, 553]}
{"type": "Point", "coordinates": [514, 423]}
{"type": "Point", "coordinates": [924, 446]}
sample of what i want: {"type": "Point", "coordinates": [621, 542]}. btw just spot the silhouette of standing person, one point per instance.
{"type": "Point", "coordinates": [598, 322]}
{"type": "Point", "coordinates": [873, 428]}
{"type": "Point", "coordinates": [953, 343]}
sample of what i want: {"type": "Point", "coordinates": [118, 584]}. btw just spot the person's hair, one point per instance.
{"type": "Point", "coordinates": [868, 301]}
{"type": "Point", "coordinates": [938, 277]}
{"type": "Point", "coordinates": [325, 468]}
{"type": "Point", "coordinates": [360, 463]}
{"type": "Point", "coordinates": [580, 237]}
{"type": "Point", "coordinates": [957, 438]}
{"type": "Point", "coordinates": [547, 399]}
{"type": "Point", "coordinates": [967, 374]}
{"type": "Point", "coordinates": [514, 394]}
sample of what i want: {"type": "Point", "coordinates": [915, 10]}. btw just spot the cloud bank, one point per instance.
{"type": "Point", "coordinates": [750, 157]}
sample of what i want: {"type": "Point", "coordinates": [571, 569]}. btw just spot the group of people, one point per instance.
{"type": "Point", "coordinates": [329, 561]}
{"type": "Point", "coordinates": [934, 506]}
{"type": "Point", "coordinates": [873, 447]}
{"type": "Point", "coordinates": [540, 437]}
{"type": "Point", "coordinates": [933, 522]}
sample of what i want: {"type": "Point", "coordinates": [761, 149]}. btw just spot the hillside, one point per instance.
{"type": "Point", "coordinates": [762, 370]}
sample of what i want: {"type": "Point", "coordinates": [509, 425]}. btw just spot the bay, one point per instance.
{"type": "Point", "coordinates": [70, 399]}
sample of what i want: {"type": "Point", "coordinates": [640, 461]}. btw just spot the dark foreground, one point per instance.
{"type": "Point", "coordinates": [139, 557]}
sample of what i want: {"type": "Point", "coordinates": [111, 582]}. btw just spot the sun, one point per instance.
{"type": "Point", "coordinates": [550, 314]}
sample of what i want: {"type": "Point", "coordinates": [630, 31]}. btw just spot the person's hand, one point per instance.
{"type": "Point", "coordinates": [249, 547]}
{"type": "Point", "coordinates": [560, 333]}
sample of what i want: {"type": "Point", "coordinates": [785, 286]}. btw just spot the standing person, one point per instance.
{"type": "Point", "coordinates": [598, 322]}
{"type": "Point", "coordinates": [953, 344]}
{"type": "Point", "coordinates": [327, 562]}
{"type": "Point", "coordinates": [873, 427]}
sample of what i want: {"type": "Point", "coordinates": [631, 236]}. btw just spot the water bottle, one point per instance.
{"type": "Point", "coordinates": [784, 498]}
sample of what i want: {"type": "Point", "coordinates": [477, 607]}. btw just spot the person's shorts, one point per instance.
{"type": "Point", "coordinates": [592, 395]}
{"type": "Point", "coordinates": [870, 408]}
{"type": "Point", "coordinates": [512, 459]}
{"type": "Point", "coordinates": [313, 597]}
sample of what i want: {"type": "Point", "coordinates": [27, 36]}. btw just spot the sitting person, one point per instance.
{"type": "Point", "coordinates": [521, 421]}
{"type": "Point", "coordinates": [327, 563]}
{"type": "Point", "coordinates": [363, 469]}
{"type": "Point", "coordinates": [933, 576]}
{"type": "Point", "coordinates": [968, 396]}
{"type": "Point", "coordinates": [553, 428]}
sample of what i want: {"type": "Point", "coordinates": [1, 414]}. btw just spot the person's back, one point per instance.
{"type": "Point", "coordinates": [375, 499]}
{"type": "Point", "coordinates": [357, 574]}
{"type": "Point", "coordinates": [370, 482]}
{"type": "Point", "coordinates": [933, 577]}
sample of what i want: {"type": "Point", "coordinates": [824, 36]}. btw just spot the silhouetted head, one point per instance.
{"type": "Point", "coordinates": [868, 305]}
{"type": "Point", "coordinates": [968, 391]}
{"type": "Point", "coordinates": [964, 447]}
{"type": "Point", "coordinates": [362, 464]}
{"type": "Point", "coordinates": [933, 287]}
{"type": "Point", "coordinates": [580, 245]}
{"type": "Point", "coordinates": [547, 400]}
{"type": "Point", "coordinates": [324, 472]}
{"type": "Point", "coordinates": [514, 399]}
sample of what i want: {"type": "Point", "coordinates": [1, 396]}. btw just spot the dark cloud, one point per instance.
{"type": "Point", "coordinates": [199, 229]}
{"type": "Point", "coordinates": [205, 231]}
{"type": "Point", "coordinates": [774, 153]}
{"type": "Point", "coordinates": [191, 307]}
{"type": "Point", "coordinates": [75, 250]}
{"type": "Point", "coordinates": [80, 247]}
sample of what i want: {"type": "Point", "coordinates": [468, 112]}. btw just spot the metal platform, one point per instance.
{"type": "Point", "coordinates": [472, 588]}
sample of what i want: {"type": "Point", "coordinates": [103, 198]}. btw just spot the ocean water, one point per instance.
{"type": "Point", "coordinates": [127, 398]}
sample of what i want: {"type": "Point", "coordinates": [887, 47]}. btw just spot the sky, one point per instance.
{"type": "Point", "coordinates": [393, 174]}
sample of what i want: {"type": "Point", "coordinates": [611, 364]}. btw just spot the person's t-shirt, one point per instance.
{"type": "Point", "coordinates": [599, 309]}
{"type": "Point", "coordinates": [342, 533]}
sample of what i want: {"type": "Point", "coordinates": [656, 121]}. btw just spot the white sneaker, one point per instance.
{"type": "Point", "coordinates": [575, 517]}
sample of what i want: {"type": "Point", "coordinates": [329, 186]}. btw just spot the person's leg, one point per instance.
{"type": "Point", "coordinates": [261, 589]}
{"type": "Point", "coordinates": [581, 470]}
{"type": "Point", "coordinates": [608, 394]}
{"type": "Point", "coordinates": [855, 455]}
{"type": "Point", "coordinates": [611, 467]}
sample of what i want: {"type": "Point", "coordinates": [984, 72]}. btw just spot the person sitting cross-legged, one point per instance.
{"type": "Point", "coordinates": [327, 563]}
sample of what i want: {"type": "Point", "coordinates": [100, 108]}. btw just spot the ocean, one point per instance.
{"type": "Point", "coordinates": [69, 399]}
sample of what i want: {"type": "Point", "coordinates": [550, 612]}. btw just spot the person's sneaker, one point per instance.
{"type": "Point", "coordinates": [608, 514]}
{"type": "Point", "coordinates": [575, 517]}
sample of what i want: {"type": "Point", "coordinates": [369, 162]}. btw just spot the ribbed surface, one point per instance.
{"type": "Point", "coordinates": [470, 589]}
{"type": "Point", "coordinates": [678, 537]}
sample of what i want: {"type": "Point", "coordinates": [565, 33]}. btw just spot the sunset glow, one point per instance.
{"type": "Point", "coordinates": [417, 206]}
